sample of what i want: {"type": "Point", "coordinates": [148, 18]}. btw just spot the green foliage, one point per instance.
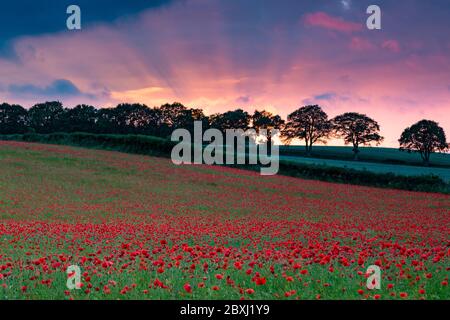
{"type": "Point", "coordinates": [138, 144]}
{"type": "Point", "coordinates": [423, 183]}
{"type": "Point", "coordinates": [426, 183]}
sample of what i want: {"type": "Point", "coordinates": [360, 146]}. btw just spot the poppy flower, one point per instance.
{"type": "Point", "coordinates": [187, 287]}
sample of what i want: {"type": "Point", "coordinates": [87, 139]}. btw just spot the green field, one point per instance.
{"type": "Point", "coordinates": [398, 169]}
{"type": "Point", "coordinates": [377, 160]}
{"type": "Point", "coordinates": [369, 154]}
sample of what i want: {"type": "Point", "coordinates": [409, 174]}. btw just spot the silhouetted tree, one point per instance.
{"type": "Point", "coordinates": [237, 119]}
{"type": "Point", "coordinates": [309, 123]}
{"type": "Point", "coordinates": [46, 117]}
{"type": "Point", "coordinates": [13, 119]}
{"type": "Point", "coordinates": [82, 118]}
{"type": "Point", "coordinates": [357, 129]}
{"type": "Point", "coordinates": [268, 121]}
{"type": "Point", "coordinates": [151, 123]}
{"type": "Point", "coordinates": [172, 114]}
{"type": "Point", "coordinates": [424, 137]}
{"type": "Point", "coordinates": [134, 118]}
{"type": "Point", "coordinates": [106, 120]}
{"type": "Point", "coordinates": [176, 115]}
{"type": "Point", "coordinates": [187, 118]}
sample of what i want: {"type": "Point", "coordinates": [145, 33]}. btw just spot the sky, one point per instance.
{"type": "Point", "coordinates": [221, 55]}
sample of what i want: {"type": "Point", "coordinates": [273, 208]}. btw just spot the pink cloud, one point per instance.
{"type": "Point", "coordinates": [391, 45]}
{"type": "Point", "coordinates": [361, 44]}
{"type": "Point", "coordinates": [324, 20]}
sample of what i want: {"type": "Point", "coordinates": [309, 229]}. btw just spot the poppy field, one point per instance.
{"type": "Point", "coordinates": [140, 227]}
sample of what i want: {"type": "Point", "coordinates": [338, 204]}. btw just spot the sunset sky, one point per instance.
{"type": "Point", "coordinates": [227, 54]}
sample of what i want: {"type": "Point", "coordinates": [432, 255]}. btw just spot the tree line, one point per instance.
{"type": "Point", "coordinates": [308, 123]}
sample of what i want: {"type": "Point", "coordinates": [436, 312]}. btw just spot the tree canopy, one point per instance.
{"type": "Point", "coordinates": [424, 137]}
{"type": "Point", "coordinates": [267, 121]}
{"type": "Point", "coordinates": [309, 123]}
{"type": "Point", "coordinates": [356, 129]}
{"type": "Point", "coordinates": [46, 117]}
{"type": "Point", "coordinates": [236, 119]}
{"type": "Point", "coordinates": [13, 119]}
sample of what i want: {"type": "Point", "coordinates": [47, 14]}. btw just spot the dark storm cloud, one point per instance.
{"type": "Point", "coordinates": [31, 17]}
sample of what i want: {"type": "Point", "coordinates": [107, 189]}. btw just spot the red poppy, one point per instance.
{"type": "Point", "coordinates": [187, 287]}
